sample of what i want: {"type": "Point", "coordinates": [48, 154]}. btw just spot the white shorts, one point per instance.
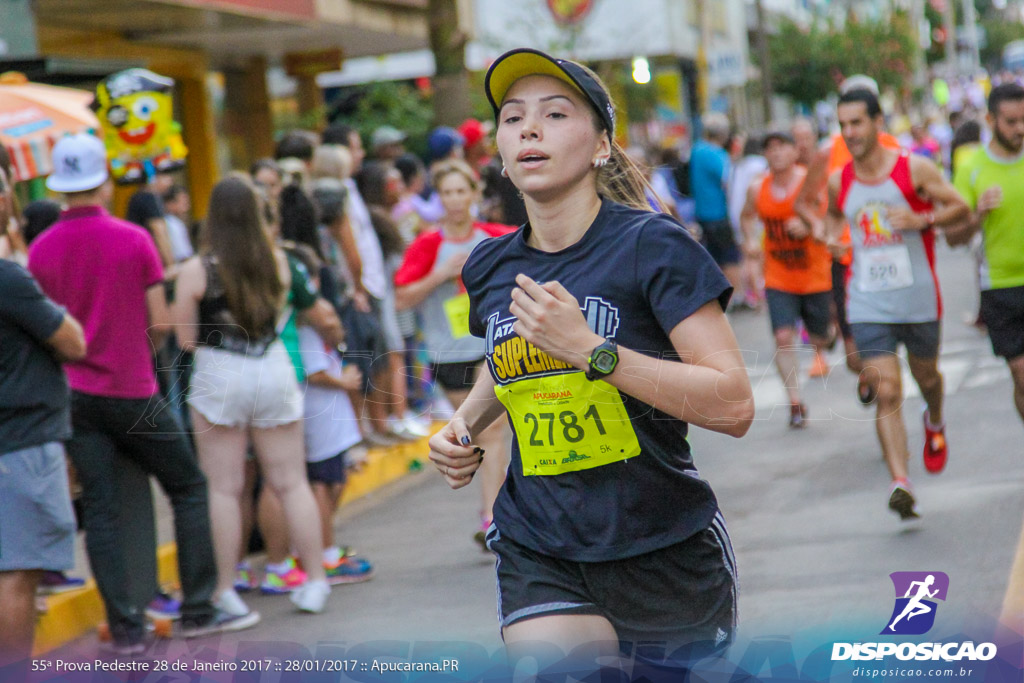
{"type": "Point", "coordinates": [234, 390]}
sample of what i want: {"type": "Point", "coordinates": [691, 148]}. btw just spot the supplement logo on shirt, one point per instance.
{"type": "Point", "coordinates": [512, 358]}
{"type": "Point", "coordinates": [872, 221]}
{"type": "Point", "coordinates": [562, 421]}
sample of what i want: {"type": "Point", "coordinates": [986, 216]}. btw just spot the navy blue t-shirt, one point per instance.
{"type": "Point", "coordinates": [636, 275]}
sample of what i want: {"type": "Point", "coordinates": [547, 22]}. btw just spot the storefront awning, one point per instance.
{"type": "Point", "coordinates": [34, 116]}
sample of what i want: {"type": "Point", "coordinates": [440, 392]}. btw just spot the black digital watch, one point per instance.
{"type": "Point", "coordinates": [603, 360]}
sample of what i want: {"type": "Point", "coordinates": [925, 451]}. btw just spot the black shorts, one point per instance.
{"type": "Point", "coordinates": [815, 310]}
{"type": "Point", "coordinates": [364, 339]}
{"type": "Point", "coordinates": [458, 376]}
{"type": "Point", "coordinates": [329, 471]}
{"type": "Point", "coordinates": [879, 339]}
{"type": "Point", "coordinates": [1002, 311]}
{"type": "Point", "coordinates": [682, 594]}
{"type": "Point", "coordinates": [718, 238]}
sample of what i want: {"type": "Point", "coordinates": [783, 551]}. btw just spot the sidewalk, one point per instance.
{"type": "Point", "coordinates": [73, 614]}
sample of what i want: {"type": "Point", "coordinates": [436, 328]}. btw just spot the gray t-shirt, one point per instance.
{"type": "Point", "coordinates": [444, 313]}
{"type": "Point", "coordinates": [34, 397]}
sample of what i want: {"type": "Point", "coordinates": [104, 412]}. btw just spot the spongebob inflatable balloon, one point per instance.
{"type": "Point", "coordinates": [136, 114]}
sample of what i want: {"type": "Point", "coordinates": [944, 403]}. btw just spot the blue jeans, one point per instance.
{"type": "Point", "coordinates": [146, 432]}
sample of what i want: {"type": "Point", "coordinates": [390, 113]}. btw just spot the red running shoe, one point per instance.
{"type": "Point", "coordinates": [935, 451]}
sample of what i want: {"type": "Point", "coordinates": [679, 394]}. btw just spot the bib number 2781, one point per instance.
{"type": "Point", "coordinates": [572, 431]}
{"type": "Point", "coordinates": [566, 423]}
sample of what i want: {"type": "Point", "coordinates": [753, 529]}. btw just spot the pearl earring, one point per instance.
{"type": "Point", "coordinates": [600, 163]}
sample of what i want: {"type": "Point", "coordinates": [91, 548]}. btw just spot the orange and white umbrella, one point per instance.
{"type": "Point", "coordinates": [34, 116]}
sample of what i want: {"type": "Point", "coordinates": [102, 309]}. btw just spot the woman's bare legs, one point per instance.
{"type": "Point", "coordinates": [280, 451]}
{"type": "Point", "coordinates": [545, 641]}
{"type": "Point", "coordinates": [222, 459]}
{"type": "Point", "coordinates": [273, 525]}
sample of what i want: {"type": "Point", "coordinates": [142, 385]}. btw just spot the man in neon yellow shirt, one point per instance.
{"type": "Point", "coordinates": [992, 182]}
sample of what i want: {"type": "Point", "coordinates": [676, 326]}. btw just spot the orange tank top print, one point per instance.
{"type": "Point", "coordinates": [801, 266]}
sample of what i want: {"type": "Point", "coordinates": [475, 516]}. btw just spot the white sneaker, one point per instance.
{"type": "Point", "coordinates": [441, 408]}
{"type": "Point", "coordinates": [415, 426]}
{"type": "Point", "coordinates": [230, 602]}
{"type": "Point", "coordinates": [311, 596]}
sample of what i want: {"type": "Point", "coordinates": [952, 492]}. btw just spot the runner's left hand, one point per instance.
{"type": "Point", "coordinates": [550, 319]}
{"type": "Point", "coordinates": [797, 229]}
{"type": "Point", "coordinates": [902, 218]}
{"type": "Point", "coordinates": [837, 247]}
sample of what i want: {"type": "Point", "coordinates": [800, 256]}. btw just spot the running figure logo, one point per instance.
{"type": "Point", "coordinates": [914, 612]}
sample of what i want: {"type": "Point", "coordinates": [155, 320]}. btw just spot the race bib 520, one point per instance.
{"type": "Point", "coordinates": [886, 269]}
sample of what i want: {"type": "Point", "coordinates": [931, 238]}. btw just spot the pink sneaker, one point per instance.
{"type": "Point", "coordinates": [279, 583]}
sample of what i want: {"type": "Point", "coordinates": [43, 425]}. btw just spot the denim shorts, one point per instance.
{"type": "Point", "coordinates": [235, 390]}
{"type": "Point", "coordinates": [37, 524]}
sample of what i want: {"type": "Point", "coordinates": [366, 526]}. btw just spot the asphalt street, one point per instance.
{"type": "Point", "coordinates": [814, 540]}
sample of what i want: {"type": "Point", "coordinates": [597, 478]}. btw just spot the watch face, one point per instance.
{"type": "Point", "coordinates": [605, 361]}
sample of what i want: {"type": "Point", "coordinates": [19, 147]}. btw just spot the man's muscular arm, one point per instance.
{"type": "Point", "coordinates": [951, 209]}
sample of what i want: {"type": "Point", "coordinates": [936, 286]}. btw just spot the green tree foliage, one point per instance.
{"type": "Point", "coordinates": [808, 65]}
{"type": "Point", "coordinates": [998, 32]}
{"type": "Point", "coordinates": [801, 65]}
{"type": "Point", "coordinates": [389, 103]}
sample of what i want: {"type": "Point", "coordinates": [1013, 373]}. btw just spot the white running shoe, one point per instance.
{"type": "Point", "coordinates": [416, 426]}
{"type": "Point", "coordinates": [230, 602]}
{"type": "Point", "coordinates": [311, 596]}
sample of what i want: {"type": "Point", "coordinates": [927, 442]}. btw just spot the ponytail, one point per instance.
{"type": "Point", "coordinates": [622, 181]}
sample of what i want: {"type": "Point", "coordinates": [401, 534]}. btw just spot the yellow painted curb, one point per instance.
{"type": "Point", "coordinates": [73, 614]}
{"type": "Point", "coordinates": [68, 616]}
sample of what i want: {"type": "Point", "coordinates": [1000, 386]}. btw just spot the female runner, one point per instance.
{"type": "Point", "coordinates": [605, 339]}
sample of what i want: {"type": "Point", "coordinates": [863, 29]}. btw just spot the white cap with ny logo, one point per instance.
{"type": "Point", "coordinates": [79, 164]}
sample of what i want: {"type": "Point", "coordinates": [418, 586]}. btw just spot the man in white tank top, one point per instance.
{"type": "Point", "coordinates": [893, 201]}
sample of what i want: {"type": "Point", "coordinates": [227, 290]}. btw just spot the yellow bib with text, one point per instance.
{"type": "Point", "coordinates": [565, 423]}
{"type": "Point", "coordinates": [456, 310]}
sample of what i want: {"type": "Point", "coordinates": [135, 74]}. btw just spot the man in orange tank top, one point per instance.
{"type": "Point", "coordinates": [832, 156]}
{"type": "Point", "coordinates": [797, 264]}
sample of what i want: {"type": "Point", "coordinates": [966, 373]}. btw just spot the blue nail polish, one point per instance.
{"type": "Point", "coordinates": [465, 441]}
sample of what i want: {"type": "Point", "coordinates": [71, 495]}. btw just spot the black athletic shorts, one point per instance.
{"type": "Point", "coordinates": [458, 376]}
{"type": "Point", "coordinates": [329, 471]}
{"type": "Point", "coordinates": [815, 310]}
{"type": "Point", "coordinates": [682, 594]}
{"type": "Point", "coordinates": [1002, 311]}
{"type": "Point", "coordinates": [718, 238]}
{"type": "Point", "coordinates": [879, 339]}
